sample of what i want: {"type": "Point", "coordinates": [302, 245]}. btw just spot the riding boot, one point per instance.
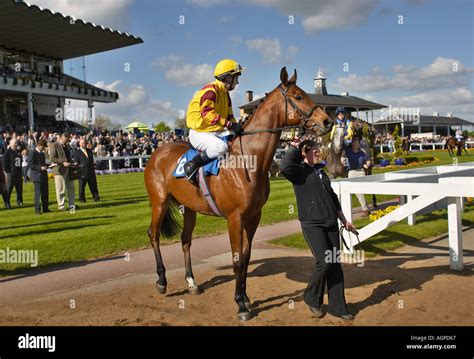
{"type": "Point", "coordinates": [191, 167]}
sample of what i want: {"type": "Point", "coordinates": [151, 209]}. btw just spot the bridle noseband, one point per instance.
{"type": "Point", "coordinates": [305, 117]}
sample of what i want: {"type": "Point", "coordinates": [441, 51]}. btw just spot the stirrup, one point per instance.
{"type": "Point", "coordinates": [192, 177]}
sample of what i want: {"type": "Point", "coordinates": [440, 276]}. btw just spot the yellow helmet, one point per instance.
{"type": "Point", "coordinates": [227, 67]}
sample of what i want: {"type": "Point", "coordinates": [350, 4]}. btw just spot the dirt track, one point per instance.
{"type": "Point", "coordinates": [411, 286]}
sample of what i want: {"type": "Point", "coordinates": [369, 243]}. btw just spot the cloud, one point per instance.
{"type": "Point", "coordinates": [442, 73]}
{"type": "Point", "coordinates": [323, 15]}
{"type": "Point", "coordinates": [134, 104]}
{"type": "Point", "coordinates": [184, 74]}
{"type": "Point", "coordinates": [107, 13]}
{"type": "Point", "coordinates": [445, 97]}
{"type": "Point", "coordinates": [207, 3]}
{"type": "Point", "coordinates": [271, 51]}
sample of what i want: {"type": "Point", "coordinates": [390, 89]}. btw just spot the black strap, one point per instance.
{"type": "Point", "coordinates": [341, 234]}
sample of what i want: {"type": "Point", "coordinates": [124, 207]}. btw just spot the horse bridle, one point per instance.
{"type": "Point", "coordinates": [305, 117]}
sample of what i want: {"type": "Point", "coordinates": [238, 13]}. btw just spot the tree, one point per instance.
{"type": "Point", "coordinates": [180, 122]}
{"type": "Point", "coordinates": [103, 122]}
{"type": "Point", "coordinates": [162, 127]}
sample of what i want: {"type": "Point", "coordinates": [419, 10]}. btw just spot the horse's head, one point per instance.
{"type": "Point", "coordinates": [299, 109]}
{"type": "Point", "coordinates": [337, 142]}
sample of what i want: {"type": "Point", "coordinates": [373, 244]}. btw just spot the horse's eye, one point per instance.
{"type": "Point", "coordinates": [299, 98]}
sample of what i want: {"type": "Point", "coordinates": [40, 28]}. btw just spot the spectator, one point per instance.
{"type": "Point", "coordinates": [39, 176]}
{"type": "Point", "coordinates": [359, 162]}
{"type": "Point", "coordinates": [24, 165]}
{"type": "Point", "coordinates": [12, 167]}
{"type": "Point", "coordinates": [61, 158]}
{"type": "Point", "coordinates": [85, 158]}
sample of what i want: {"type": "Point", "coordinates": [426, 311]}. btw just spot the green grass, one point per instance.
{"type": "Point", "coordinates": [430, 225]}
{"type": "Point", "coordinates": [442, 156]}
{"type": "Point", "coordinates": [119, 223]}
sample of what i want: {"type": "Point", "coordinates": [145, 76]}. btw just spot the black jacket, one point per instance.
{"type": "Point", "coordinates": [35, 161]}
{"type": "Point", "coordinates": [87, 163]}
{"type": "Point", "coordinates": [12, 162]}
{"type": "Point", "coordinates": [317, 203]}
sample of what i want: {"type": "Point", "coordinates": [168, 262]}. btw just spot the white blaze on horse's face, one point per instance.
{"type": "Point", "coordinates": [338, 140]}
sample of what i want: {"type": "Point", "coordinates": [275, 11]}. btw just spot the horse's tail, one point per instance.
{"type": "Point", "coordinates": [171, 224]}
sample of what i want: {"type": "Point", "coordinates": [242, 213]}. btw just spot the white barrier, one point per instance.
{"type": "Point", "coordinates": [122, 158]}
{"type": "Point", "coordinates": [384, 148]}
{"type": "Point", "coordinates": [430, 185]}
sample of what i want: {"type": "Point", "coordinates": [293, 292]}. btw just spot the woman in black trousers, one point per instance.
{"type": "Point", "coordinates": [318, 211]}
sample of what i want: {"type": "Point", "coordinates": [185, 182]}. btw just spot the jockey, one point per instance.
{"type": "Point", "coordinates": [210, 116]}
{"type": "Point", "coordinates": [346, 123]}
{"type": "Point", "coordinates": [342, 121]}
{"type": "Point", "coordinates": [459, 135]}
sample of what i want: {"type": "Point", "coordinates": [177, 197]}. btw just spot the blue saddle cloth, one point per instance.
{"type": "Point", "coordinates": [210, 169]}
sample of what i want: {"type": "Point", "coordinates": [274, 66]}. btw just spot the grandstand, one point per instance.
{"type": "Point", "coordinates": [34, 42]}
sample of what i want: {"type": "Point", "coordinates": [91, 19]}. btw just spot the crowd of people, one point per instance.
{"type": "Point", "coordinates": [31, 156]}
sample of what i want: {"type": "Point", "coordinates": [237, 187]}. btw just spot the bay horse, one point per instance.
{"type": "Point", "coordinates": [453, 143]}
{"type": "Point", "coordinates": [239, 193]}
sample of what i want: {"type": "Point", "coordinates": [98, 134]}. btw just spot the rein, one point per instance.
{"type": "Point", "coordinates": [341, 235]}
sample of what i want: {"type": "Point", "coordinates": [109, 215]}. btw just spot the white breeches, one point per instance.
{"type": "Point", "coordinates": [209, 142]}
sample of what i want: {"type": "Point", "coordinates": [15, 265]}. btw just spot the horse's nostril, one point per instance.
{"type": "Point", "coordinates": [327, 123]}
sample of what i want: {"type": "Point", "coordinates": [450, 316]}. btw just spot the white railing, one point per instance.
{"type": "Point", "coordinates": [423, 190]}
{"type": "Point", "coordinates": [384, 148]}
{"type": "Point", "coordinates": [127, 159]}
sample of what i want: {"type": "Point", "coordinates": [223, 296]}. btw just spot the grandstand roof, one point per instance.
{"type": "Point", "coordinates": [424, 120]}
{"type": "Point", "coordinates": [350, 103]}
{"type": "Point", "coordinates": [31, 29]}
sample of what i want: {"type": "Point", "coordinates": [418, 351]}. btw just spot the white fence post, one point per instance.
{"type": "Point", "coordinates": [455, 233]}
{"type": "Point", "coordinates": [110, 165]}
{"type": "Point", "coordinates": [140, 162]}
{"type": "Point", "coordinates": [412, 217]}
{"type": "Point", "coordinates": [346, 206]}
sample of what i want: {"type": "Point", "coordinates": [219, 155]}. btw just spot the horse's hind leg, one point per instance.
{"type": "Point", "coordinates": [186, 238]}
{"type": "Point", "coordinates": [157, 215]}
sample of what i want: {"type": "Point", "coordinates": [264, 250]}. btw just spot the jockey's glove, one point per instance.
{"type": "Point", "coordinates": [237, 128]}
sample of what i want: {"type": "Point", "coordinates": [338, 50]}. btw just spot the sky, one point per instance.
{"type": "Point", "coordinates": [415, 54]}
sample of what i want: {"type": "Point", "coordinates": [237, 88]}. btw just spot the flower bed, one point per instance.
{"type": "Point", "coordinates": [381, 212]}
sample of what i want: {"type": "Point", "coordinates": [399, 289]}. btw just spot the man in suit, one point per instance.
{"type": "Point", "coordinates": [85, 158]}
{"type": "Point", "coordinates": [61, 156]}
{"type": "Point", "coordinates": [39, 176]}
{"type": "Point", "coordinates": [12, 167]}
{"type": "Point", "coordinates": [3, 187]}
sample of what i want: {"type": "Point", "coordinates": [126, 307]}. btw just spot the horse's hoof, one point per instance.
{"type": "Point", "coordinates": [161, 288]}
{"type": "Point", "coordinates": [194, 290]}
{"type": "Point", "coordinates": [244, 316]}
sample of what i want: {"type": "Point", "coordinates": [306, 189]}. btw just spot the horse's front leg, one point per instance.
{"type": "Point", "coordinates": [250, 227]}
{"type": "Point", "coordinates": [235, 225]}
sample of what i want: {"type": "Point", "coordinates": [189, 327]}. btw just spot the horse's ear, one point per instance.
{"type": "Point", "coordinates": [293, 78]}
{"type": "Point", "coordinates": [284, 76]}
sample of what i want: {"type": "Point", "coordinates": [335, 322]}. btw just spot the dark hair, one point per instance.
{"type": "Point", "coordinates": [355, 138]}
{"type": "Point", "coordinates": [42, 142]}
{"type": "Point", "coordinates": [306, 145]}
